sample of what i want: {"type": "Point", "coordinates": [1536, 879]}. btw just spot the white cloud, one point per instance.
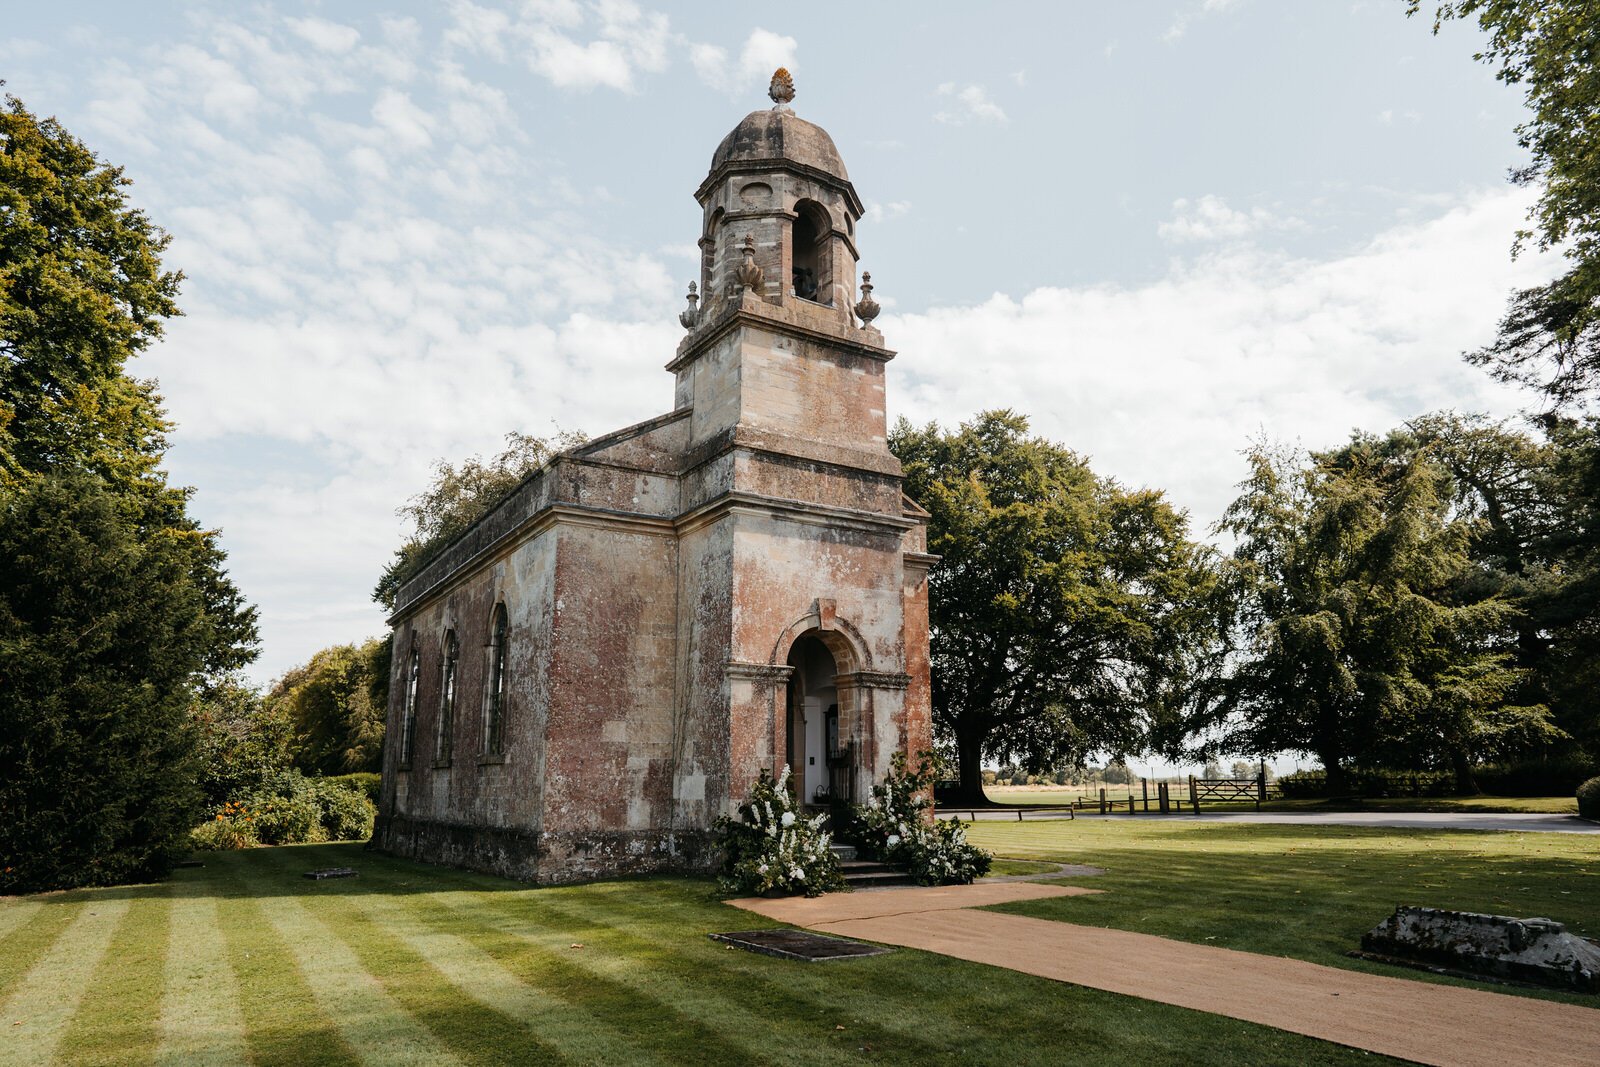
{"type": "Point", "coordinates": [599, 45]}
{"type": "Point", "coordinates": [1209, 218]}
{"type": "Point", "coordinates": [325, 35]}
{"type": "Point", "coordinates": [1181, 22]}
{"type": "Point", "coordinates": [968, 103]}
{"type": "Point", "coordinates": [763, 52]}
{"type": "Point", "coordinates": [1163, 384]}
{"type": "Point", "coordinates": [406, 124]}
{"type": "Point", "coordinates": [895, 209]}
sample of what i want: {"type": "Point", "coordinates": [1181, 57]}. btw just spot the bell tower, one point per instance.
{"type": "Point", "coordinates": [780, 341]}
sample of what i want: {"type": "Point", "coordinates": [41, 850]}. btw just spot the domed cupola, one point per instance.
{"type": "Point", "coordinates": [778, 180]}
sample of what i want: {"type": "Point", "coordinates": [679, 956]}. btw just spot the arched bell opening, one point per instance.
{"type": "Point", "coordinates": [811, 236]}
{"type": "Point", "coordinates": [817, 739]}
{"type": "Point", "coordinates": [709, 252]}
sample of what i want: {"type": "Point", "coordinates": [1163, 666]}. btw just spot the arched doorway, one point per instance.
{"type": "Point", "coordinates": [815, 751]}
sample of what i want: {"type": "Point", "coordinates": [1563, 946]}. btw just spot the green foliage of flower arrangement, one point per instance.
{"type": "Point", "coordinates": [773, 848]}
{"type": "Point", "coordinates": [893, 827]}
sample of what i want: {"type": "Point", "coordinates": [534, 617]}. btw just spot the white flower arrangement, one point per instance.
{"type": "Point", "coordinates": [771, 849]}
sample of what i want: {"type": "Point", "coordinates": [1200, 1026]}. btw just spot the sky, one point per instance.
{"type": "Point", "coordinates": [1160, 228]}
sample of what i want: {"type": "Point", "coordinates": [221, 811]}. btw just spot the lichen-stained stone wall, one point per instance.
{"type": "Point", "coordinates": [608, 749]}
{"type": "Point", "coordinates": [493, 795]}
{"type": "Point", "coordinates": [702, 787]}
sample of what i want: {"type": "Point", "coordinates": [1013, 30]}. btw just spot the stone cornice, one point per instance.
{"type": "Point", "coordinates": [746, 503]}
{"type": "Point", "coordinates": [874, 679]}
{"type": "Point", "coordinates": [768, 673]}
{"type": "Point", "coordinates": [763, 166]}
{"type": "Point", "coordinates": [757, 313]}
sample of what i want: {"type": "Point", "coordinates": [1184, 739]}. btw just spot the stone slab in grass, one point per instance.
{"type": "Point", "coordinates": [332, 872]}
{"type": "Point", "coordinates": [1472, 945]}
{"type": "Point", "coordinates": [799, 945]}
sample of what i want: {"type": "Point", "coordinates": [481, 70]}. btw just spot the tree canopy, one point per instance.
{"type": "Point", "coordinates": [336, 705]}
{"type": "Point", "coordinates": [1550, 337]}
{"type": "Point", "coordinates": [115, 609]}
{"type": "Point", "coordinates": [1067, 615]}
{"type": "Point", "coordinates": [1359, 634]}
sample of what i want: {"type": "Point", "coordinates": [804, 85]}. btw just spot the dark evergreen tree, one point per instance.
{"type": "Point", "coordinates": [115, 610]}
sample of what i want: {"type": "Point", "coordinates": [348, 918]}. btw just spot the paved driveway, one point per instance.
{"type": "Point", "coordinates": [1560, 824]}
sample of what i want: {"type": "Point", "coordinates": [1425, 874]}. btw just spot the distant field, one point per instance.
{"type": "Point", "coordinates": [1062, 796]}
{"type": "Point", "coordinates": [245, 961]}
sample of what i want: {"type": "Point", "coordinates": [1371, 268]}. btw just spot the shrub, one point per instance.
{"type": "Point", "coordinates": [366, 782]}
{"type": "Point", "coordinates": [1589, 798]}
{"type": "Point", "coordinates": [289, 809]}
{"type": "Point", "coordinates": [892, 826]}
{"type": "Point", "coordinates": [1309, 784]}
{"type": "Point", "coordinates": [343, 809]}
{"type": "Point", "coordinates": [773, 848]}
{"type": "Point", "coordinates": [1534, 778]}
{"type": "Point", "coordinates": [287, 820]}
{"type": "Point", "coordinates": [232, 827]}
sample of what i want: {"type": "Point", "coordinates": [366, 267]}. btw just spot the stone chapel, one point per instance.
{"type": "Point", "coordinates": [601, 666]}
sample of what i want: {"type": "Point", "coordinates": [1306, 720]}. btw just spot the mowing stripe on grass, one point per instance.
{"type": "Point", "coordinates": [373, 1023]}
{"type": "Point", "coordinates": [625, 992]}
{"type": "Point", "coordinates": [116, 1022]}
{"type": "Point", "coordinates": [37, 1013]}
{"type": "Point", "coordinates": [201, 1022]}
{"type": "Point", "coordinates": [283, 1022]}
{"type": "Point", "coordinates": [478, 975]}
{"type": "Point", "coordinates": [473, 1032]}
{"type": "Point", "coordinates": [687, 973]}
{"type": "Point", "coordinates": [740, 988]}
{"type": "Point", "coordinates": [13, 913]}
{"type": "Point", "coordinates": [23, 947]}
{"type": "Point", "coordinates": [538, 1005]}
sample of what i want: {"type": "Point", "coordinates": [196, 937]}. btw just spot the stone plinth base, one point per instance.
{"type": "Point", "coordinates": [546, 859]}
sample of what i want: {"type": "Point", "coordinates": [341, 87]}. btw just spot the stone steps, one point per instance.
{"type": "Point", "coordinates": [864, 874]}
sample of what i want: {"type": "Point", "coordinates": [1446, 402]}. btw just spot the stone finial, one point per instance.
{"type": "Point", "coordinates": [867, 308]}
{"type": "Point", "coordinates": [690, 316]}
{"type": "Point", "coordinates": [782, 88]}
{"type": "Point", "coordinates": [749, 273]}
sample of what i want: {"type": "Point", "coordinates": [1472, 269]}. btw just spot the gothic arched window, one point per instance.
{"type": "Point", "coordinates": [408, 720]}
{"type": "Point", "coordinates": [497, 683]}
{"type": "Point", "coordinates": [447, 699]}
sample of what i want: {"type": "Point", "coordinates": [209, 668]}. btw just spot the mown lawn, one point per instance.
{"type": "Point", "coordinates": [247, 961]}
{"type": "Point", "coordinates": [1306, 892]}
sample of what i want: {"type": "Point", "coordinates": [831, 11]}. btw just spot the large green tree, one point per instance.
{"type": "Point", "coordinates": [115, 610]}
{"type": "Point", "coordinates": [1550, 337]}
{"type": "Point", "coordinates": [1360, 634]}
{"type": "Point", "coordinates": [335, 704]}
{"type": "Point", "coordinates": [102, 634]}
{"type": "Point", "coordinates": [1068, 614]}
{"type": "Point", "coordinates": [1533, 500]}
